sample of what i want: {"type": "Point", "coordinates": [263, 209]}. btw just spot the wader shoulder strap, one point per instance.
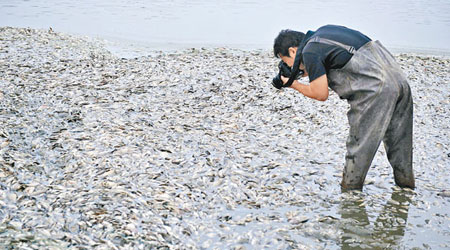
{"type": "Point", "coordinates": [317, 39]}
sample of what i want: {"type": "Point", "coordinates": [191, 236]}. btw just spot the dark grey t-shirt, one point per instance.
{"type": "Point", "coordinates": [319, 58]}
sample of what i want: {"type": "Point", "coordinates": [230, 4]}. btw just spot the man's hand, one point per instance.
{"type": "Point", "coordinates": [284, 79]}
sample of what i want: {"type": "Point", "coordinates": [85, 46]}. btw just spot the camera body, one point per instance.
{"type": "Point", "coordinates": [286, 71]}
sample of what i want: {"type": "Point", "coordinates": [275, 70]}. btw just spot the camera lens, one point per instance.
{"type": "Point", "coordinates": [277, 82]}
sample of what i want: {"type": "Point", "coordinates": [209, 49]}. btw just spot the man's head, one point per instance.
{"type": "Point", "coordinates": [285, 45]}
{"type": "Point", "coordinates": [286, 39]}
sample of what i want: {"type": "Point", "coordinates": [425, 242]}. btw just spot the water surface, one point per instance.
{"type": "Point", "coordinates": [137, 25]}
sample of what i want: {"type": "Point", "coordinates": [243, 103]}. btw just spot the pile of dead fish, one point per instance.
{"type": "Point", "coordinates": [196, 150]}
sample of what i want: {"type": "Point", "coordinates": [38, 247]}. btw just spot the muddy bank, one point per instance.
{"type": "Point", "coordinates": [195, 149]}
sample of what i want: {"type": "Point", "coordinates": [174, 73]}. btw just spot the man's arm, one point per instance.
{"type": "Point", "coordinates": [317, 89]}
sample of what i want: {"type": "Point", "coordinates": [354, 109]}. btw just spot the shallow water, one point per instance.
{"type": "Point", "coordinates": [135, 27]}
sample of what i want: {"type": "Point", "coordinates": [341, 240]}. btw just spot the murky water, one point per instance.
{"type": "Point", "coordinates": [136, 26]}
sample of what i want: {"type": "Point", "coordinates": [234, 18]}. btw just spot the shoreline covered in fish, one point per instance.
{"type": "Point", "coordinates": [195, 149]}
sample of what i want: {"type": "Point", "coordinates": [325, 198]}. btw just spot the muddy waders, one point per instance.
{"type": "Point", "coordinates": [381, 109]}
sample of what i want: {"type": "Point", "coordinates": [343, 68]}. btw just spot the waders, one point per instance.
{"type": "Point", "coordinates": [381, 109]}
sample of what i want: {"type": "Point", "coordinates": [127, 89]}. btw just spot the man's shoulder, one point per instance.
{"type": "Point", "coordinates": [332, 27]}
{"type": "Point", "coordinates": [311, 56]}
{"type": "Point", "coordinates": [312, 49]}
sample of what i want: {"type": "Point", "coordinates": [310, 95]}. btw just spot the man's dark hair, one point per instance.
{"type": "Point", "coordinates": [286, 39]}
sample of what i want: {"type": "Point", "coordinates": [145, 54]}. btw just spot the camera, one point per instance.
{"type": "Point", "coordinates": [284, 70]}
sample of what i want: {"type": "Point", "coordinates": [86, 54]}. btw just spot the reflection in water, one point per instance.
{"type": "Point", "coordinates": [386, 232]}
